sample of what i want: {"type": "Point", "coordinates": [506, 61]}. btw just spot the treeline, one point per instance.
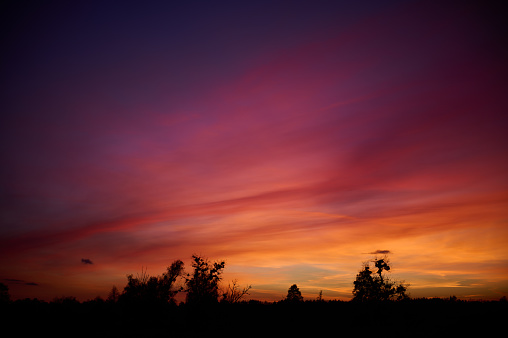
{"type": "Point", "coordinates": [201, 286]}
{"type": "Point", "coordinates": [147, 307]}
{"type": "Point", "coordinates": [411, 317]}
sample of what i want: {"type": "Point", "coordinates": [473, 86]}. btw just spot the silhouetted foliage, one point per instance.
{"type": "Point", "coordinates": [233, 294]}
{"type": "Point", "coordinates": [434, 317]}
{"type": "Point", "coordinates": [155, 289]}
{"type": "Point", "coordinates": [203, 284]}
{"type": "Point", "coordinates": [4, 294]}
{"type": "Point", "coordinates": [320, 296]}
{"type": "Point", "coordinates": [294, 295]}
{"type": "Point", "coordinates": [375, 286]}
{"type": "Point", "coordinates": [137, 312]}
{"type": "Point", "coordinates": [67, 301]}
{"type": "Point", "coordinates": [113, 295]}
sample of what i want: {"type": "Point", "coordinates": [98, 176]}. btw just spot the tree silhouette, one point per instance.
{"type": "Point", "coordinates": [155, 289]}
{"type": "Point", "coordinates": [320, 296]}
{"type": "Point", "coordinates": [113, 295]}
{"type": "Point", "coordinates": [294, 295]}
{"type": "Point", "coordinates": [233, 294]}
{"type": "Point", "coordinates": [203, 284]}
{"type": "Point", "coordinates": [4, 294]}
{"type": "Point", "coordinates": [376, 286]}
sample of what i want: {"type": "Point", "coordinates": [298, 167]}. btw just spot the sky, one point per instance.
{"type": "Point", "coordinates": [295, 140]}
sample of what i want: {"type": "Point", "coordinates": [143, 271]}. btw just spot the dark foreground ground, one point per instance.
{"type": "Point", "coordinates": [414, 318]}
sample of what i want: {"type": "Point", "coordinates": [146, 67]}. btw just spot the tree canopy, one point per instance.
{"type": "Point", "coordinates": [155, 289]}
{"type": "Point", "coordinates": [294, 295]}
{"type": "Point", "coordinates": [203, 284]}
{"type": "Point", "coordinates": [375, 285]}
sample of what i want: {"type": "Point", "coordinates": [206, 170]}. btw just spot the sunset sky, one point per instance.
{"type": "Point", "coordinates": [292, 139]}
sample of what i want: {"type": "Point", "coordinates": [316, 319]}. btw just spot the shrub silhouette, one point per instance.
{"type": "Point", "coordinates": [375, 286]}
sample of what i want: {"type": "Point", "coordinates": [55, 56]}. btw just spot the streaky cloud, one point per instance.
{"type": "Point", "coordinates": [380, 252]}
{"type": "Point", "coordinates": [20, 282]}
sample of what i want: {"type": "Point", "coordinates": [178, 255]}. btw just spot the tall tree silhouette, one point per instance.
{"type": "Point", "coordinates": [113, 295]}
{"type": "Point", "coordinates": [203, 284]}
{"type": "Point", "coordinates": [294, 295]}
{"type": "Point", "coordinates": [375, 285]}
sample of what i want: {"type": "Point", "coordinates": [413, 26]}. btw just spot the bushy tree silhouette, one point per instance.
{"type": "Point", "coordinates": [155, 289]}
{"type": "Point", "coordinates": [375, 286]}
{"type": "Point", "coordinates": [294, 295]}
{"type": "Point", "coordinates": [203, 284]}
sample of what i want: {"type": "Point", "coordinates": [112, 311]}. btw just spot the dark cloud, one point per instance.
{"type": "Point", "coordinates": [19, 281]}
{"type": "Point", "coordinates": [86, 261]}
{"type": "Point", "coordinates": [380, 252]}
